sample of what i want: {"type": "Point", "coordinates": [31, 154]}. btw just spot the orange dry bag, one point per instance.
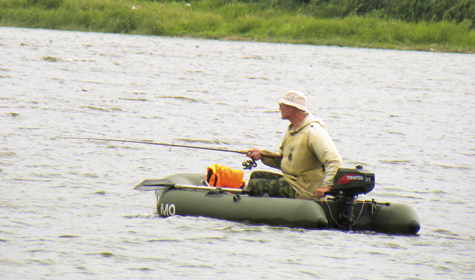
{"type": "Point", "coordinates": [222, 176]}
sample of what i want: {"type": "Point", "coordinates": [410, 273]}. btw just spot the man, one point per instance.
{"type": "Point", "coordinates": [308, 157]}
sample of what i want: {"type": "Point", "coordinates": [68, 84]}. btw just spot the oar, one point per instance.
{"type": "Point", "coordinates": [153, 185]}
{"type": "Point", "coordinates": [274, 155]}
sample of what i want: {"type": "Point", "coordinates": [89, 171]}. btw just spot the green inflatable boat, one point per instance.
{"type": "Point", "coordinates": [189, 195]}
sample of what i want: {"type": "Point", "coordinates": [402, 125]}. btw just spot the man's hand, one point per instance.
{"type": "Point", "coordinates": [320, 192]}
{"type": "Point", "coordinates": [255, 154]}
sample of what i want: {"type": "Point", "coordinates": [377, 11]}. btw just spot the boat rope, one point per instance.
{"type": "Point", "coordinates": [357, 219]}
{"type": "Point", "coordinates": [359, 215]}
{"type": "Point", "coordinates": [331, 215]}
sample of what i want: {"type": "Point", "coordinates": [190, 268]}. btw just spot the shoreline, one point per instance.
{"type": "Point", "coordinates": [239, 22]}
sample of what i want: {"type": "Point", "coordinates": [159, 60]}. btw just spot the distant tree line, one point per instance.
{"type": "Point", "coordinates": [407, 10]}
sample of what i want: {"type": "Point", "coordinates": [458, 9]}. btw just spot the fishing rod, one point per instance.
{"type": "Point", "coordinates": [169, 145]}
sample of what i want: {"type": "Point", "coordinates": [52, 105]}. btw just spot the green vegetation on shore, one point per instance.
{"type": "Point", "coordinates": [447, 26]}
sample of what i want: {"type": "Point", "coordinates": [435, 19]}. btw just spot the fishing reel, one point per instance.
{"type": "Point", "coordinates": [249, 164]}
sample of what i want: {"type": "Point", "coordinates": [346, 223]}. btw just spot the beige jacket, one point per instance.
{"type": "Point", "coordinates": [309, 158]}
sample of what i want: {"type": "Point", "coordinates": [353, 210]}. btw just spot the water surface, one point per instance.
{"type": "Point", "coordinates": [68, 209]}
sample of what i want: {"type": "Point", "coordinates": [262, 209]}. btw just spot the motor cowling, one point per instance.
{"type": "Point", "coordinates": [353, 181]}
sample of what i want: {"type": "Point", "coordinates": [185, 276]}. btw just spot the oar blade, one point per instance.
{"type": "Point", "coordinates": [157, 184]}
{"type": "Point", "coordinates": [153, 185]}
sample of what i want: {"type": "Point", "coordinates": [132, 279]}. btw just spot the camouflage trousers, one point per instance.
{"type": "Point", "coordinates": [273, 184]}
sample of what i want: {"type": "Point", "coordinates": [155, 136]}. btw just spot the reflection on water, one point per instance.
{"type": "Point", "coordinates": [68, 208]}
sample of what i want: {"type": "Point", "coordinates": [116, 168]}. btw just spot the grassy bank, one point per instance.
{"type": "Point", "coordinates": [237, 20]}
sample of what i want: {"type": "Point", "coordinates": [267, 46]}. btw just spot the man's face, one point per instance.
{"type": "Point", "coordinates": [284, 111]}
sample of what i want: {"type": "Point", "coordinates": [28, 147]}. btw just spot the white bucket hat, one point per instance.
{"type": "Point", "coordinates": [295, 99]}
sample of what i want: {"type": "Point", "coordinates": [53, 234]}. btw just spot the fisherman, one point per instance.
{"type": "Point", "coordinates": [308, 157]}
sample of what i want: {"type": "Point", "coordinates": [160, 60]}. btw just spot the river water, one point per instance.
{"type": "Point", "coordinates": [68, 208]}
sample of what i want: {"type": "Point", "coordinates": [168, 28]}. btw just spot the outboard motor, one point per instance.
{"type": "Point", "coordinates": [348, 184]}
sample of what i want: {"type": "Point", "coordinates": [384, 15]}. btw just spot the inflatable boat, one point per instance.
{"type": "Point", "coordinates": [188, 195]}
